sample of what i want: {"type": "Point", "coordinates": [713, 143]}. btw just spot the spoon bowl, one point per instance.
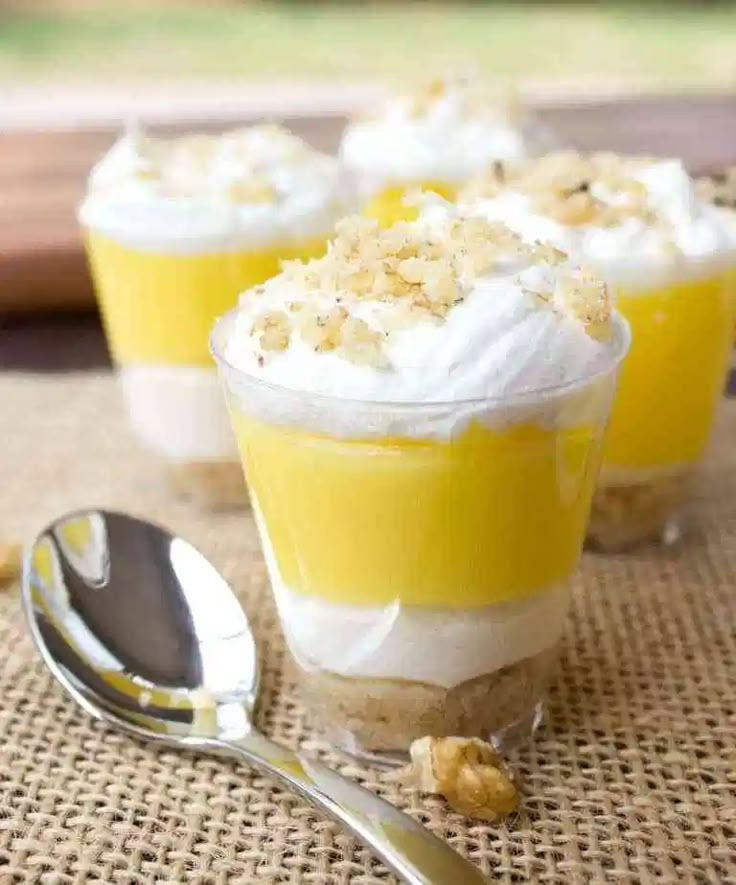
{"type": "Point", "coordinates": [144, 633]}
{"type": "Point", "coordinates": [154, 639]}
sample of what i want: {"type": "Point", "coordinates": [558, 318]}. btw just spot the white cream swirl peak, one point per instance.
{"type": "Point", "coordinates": [419, 413]}
{"type": "Point", "coordinates": [176, 228]}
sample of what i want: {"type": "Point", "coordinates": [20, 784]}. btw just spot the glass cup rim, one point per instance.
{"type": "Point", "coordinates": [620, 343]}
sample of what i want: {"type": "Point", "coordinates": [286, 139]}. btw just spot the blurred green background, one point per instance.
{"type": "Point", "coordinates": [586, 45]}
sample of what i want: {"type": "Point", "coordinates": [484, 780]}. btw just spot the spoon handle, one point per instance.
{"type": "Point", "coordinates": [405, 846]}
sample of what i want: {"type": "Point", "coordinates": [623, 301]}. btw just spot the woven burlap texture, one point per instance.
{"type": "Point", "coordinates": [632, 778]}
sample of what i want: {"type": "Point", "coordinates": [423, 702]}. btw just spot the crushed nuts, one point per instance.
{"type": "Point", "coordinates": [423, 273]}
{"type": "Point", "coordinates": [468, 772]}
{"type": "Point", "coordinates": [10, 563]}
{"type": "Point", "coordinates": [719, 188]}
{"type": "Point", "coordinates": [561, 185]}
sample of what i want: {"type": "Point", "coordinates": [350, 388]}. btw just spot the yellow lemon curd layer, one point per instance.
{"type": "Point", "coordinates": [671, 381]}
{"type": "Point", "coordinates": [489, 516]}
{"type": "Point", "coordinates": [159, 308]}
{"type": "Point", "coordinates": [387, 206]}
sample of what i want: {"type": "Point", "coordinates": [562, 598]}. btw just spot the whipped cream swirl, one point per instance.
{"type": "Point", "coordinates": [447, 132]}
{"type": "Point", "coordinates": [241, 189]}
{"type": "Point", "coordinates": [378, 321]}
{"type": "Point", "coordinates": [636, 222]}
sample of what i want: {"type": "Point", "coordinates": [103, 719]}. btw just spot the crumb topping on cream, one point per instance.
{"type": "Point", "coordinates": [600, 189]}
{"type": "Point", "coordinates": [415, 272]}
{"type": "Point", "coordinates": [635, 220]}
{"type": "Point", "coordinates": [719, 188]}
{"type": "Point", "coordinates": [256, 183]}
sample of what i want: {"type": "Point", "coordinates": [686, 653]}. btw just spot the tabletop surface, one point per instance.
{"type": "Point", "coordinates": [629, 781]}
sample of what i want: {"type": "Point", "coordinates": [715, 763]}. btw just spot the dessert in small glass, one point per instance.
{"type": "Point", "coordinates": [435, 139]}
{"type": "Point", "coordinates": [420, 415]}
{"type": "Point", "coordinates": [671, 258]}
{"type": "Point", "coordinates": [175, 229]}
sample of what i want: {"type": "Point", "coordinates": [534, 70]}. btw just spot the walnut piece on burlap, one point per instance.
{"type": "Point", "coordinates": [630, 780]}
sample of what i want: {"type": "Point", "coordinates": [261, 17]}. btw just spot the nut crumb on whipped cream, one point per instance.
{"type": "Point", "coordinates": [719, 188]}
{"type": "Point", "coordinates": [572, 188]}
{"type": "Point", "coordinates": [633, 219]}
{"type": "Point", "coordinates": [258, 183]}
{"type": "Point", "coordinates": [374, 284]}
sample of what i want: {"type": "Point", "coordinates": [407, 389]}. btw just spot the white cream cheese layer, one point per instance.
{"type": "Point", "coordinates": [178, 411]}
{"type": "Point", "coordinates": [440, 646]}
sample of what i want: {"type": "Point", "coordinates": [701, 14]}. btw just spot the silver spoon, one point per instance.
{"type": "Point", "coordinates": [145, 634]}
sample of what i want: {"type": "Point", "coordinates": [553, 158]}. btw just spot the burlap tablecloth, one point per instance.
{"type": "Point", "coordinates": [632, 779]}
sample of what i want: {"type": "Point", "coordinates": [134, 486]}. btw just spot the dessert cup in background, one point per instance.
{"type": "Point", "coordinates": [174, 230]}
{"type": "Point", "coordinates": [420, 415]}
{"type": "Point", "coordinates": [435, 139]}
{"type": "Point", "coordinates": [671, 259]}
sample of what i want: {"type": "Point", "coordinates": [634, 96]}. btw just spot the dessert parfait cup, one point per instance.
{"type": "Point", "coordinates": [670, 257]}
{"type": "Point", "coordinates": [420, 554]}
{"type": "Point", "coordinates": [174, 230]}
{"type": "Point", "coordinates": [664, 411]}
{"type": "Point", "coordinates": [434, 140]}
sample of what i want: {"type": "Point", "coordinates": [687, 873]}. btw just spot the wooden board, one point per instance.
{"type": "Point", "coordinates": [42, 177]}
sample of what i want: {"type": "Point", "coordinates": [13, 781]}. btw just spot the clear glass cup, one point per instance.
{"type": "Point", "coordinates": [158, 308]}
{"type": "Point", "coordinates": [420, 554]}
{"type": "Point", "coordinates": [665, 407]}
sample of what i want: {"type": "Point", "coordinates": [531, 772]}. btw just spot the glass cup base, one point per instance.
{"type": "Point", "coordinates": [505, 740]}
{"type": "Point", "coordinates": [648, 511]}
{"type": "Point", "coordinates": [378, 719]}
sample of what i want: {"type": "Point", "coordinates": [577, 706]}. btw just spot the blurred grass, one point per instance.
{"type": "Point", "coordinates": [671, 44]}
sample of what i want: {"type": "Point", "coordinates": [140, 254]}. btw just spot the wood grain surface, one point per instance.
{"type": "Point", "coordinates": [42, 177]}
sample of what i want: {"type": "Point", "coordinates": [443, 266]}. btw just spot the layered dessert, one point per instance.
{"type": "Point", "coordinates": [420, 415]}
{"type": "Point", "coordinates": [175, 229]}
{"type": "Point", "coordinates": [671, 257]}
{"type": "Point", "coordinates": [435, 139]}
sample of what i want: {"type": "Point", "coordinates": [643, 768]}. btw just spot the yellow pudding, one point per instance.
{"type": "Point", "coordinates": [159, 308]}
{"type": "Point", "coordinates": [669, 389]}
{"type": "Point", "coordinates": [472, 506]}
{"type": "Point", "coordinates": [388, 206]}
{"type": "Point", "coordinates": [674, 375]}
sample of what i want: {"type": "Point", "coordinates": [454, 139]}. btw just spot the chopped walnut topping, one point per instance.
{"type": "Point", "coordinates": [401, 263]}
{"type": "Point", "coordinates": [422, 272]}
{"type": "Point", "coordinates": [10, 562]}
{"type": "Point", "coordinates": [588, 299]}
{"type": "Point", "coordinates": [274, 328]}
{"type": "Point", "coordinates": [719, 188]}
{"type": "Point", "coordinates": [560, 186]}
{"type": "Point", "coordinates": [468, 772]}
